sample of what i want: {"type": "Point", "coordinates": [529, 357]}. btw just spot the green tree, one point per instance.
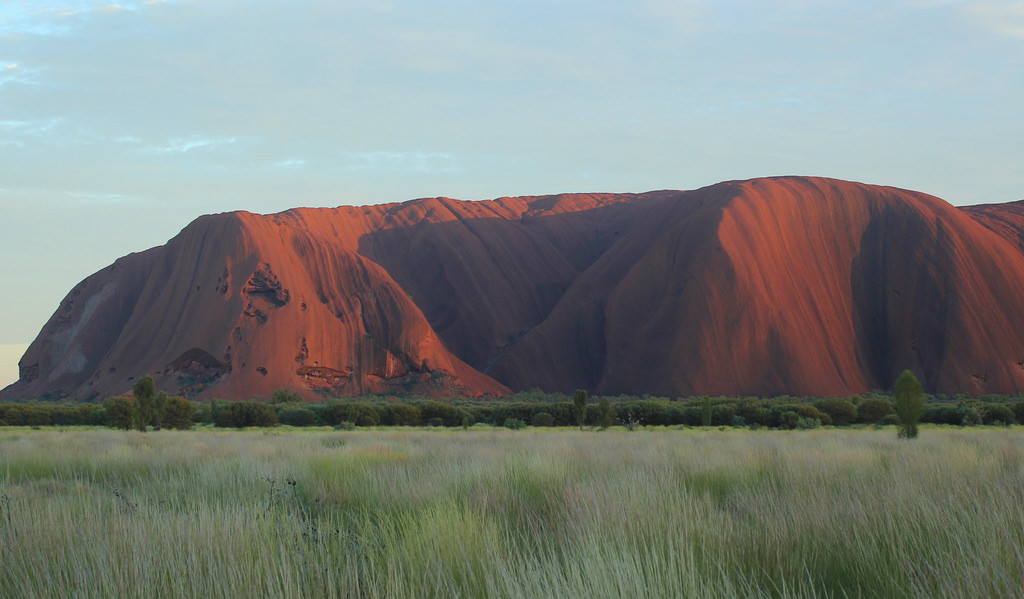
{"type": "Point", "coordinates": [159, 408]}
{"type": "Point", "coordinates": [908, 398]}
{"type": "Point", "coordinates": [706, 411]}
{"type": "Point", "coordinates": [119, 411]}
{"type": "Point", "coordinates": [177, 413]}
{"type": "Point", "coordinates": [607, 416]}
{"type": "Point", "coordinates": [579, 402]}
{"type": "Point", "coordinates": [285, 395]}
{"type": "Point", "coordinates": [144, 391]}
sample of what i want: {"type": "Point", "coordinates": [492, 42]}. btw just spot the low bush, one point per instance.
{"type": "Point", "coordinates": [942, 414]}
{"type": "Point", "coordinates": [841, 411]}
{"type": "Point", "coordinates": [361, 413]}
{"type": "Point", "coordinates": [804, 424]}
{"type": "Point", "coordinates": [297, 417]}
{"type": "Point", "coordinates": [888, 420]}
{"type": "Point", "coordinates": [873, 409]}
{"type": "Point", "coordinates": [997, 414]}
{"type": "Point", "coordinates": [400, 414]}
{"type": "Point", "coordinates": [542, 419]}
{"type": "Point", "coordinates": [244, 414]}
{"type": "Point", "coordinates": [447, 414]}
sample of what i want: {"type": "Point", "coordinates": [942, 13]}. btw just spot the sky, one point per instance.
{"type": "Point", "coordinates": [122, 123]}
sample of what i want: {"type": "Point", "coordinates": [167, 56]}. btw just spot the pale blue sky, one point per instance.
{"type": "Point", "coordinates": [119, 124]}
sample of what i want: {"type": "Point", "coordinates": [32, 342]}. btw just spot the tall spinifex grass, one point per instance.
{"type": "Point", "coordinates": [511, 514]}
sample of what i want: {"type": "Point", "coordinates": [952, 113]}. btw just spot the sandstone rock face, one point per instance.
{"type": "Point", "coordinates": [789, 285]}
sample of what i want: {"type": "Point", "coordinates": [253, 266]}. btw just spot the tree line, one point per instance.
{"type": "Point", "coordinates": [149, 409]}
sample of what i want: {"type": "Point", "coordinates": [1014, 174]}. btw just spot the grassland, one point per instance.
{"type": "Point", "coordinates": [496, 513]}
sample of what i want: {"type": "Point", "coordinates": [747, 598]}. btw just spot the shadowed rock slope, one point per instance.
{"type": "Point", "coordinates": [789, 285]}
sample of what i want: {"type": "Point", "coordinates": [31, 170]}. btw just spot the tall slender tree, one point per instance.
{"type": "Point", "coordinates": [908, 397]}
{"type": "Point", "coordinates": [144, 391]}
{"type": "Point", "coordinates": [580, 404]}
{"type": "Point", "coordinates": [607, 416]}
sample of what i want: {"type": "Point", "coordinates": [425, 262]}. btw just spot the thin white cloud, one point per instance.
{"type": "Point", "coordinates": [13, 72]}
{"type": "Point", "coordinates": [420, 162]}
{"type": "Point", "coordinates": [26, 18]}
{"type": "Point", "coordinates": [186, 145]}
{"type": "Point", "coordinates": [96, 197]}
{"type": "Point", "coordinates": [125, 139]}
{"type": "Point", "coordinates": [291, 163]}
{"type": "Point", "coordinates": [15, 130]}
{"type": "Point", "coordinates": [1001, 16]}
{"type": "Point", "coordinates": [14, 197]}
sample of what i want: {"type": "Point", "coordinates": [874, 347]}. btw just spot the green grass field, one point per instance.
{"type": "Point", "coordinates": [496, 513]}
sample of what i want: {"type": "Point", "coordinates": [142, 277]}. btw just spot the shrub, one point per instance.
{"type": "Point", "coordinates": [1018, 411]}
{"type": "Point", "coordinates": [285, 396]}
{"type": "Point", "coordinates": [77, 414]}
{"type": "Point", "coordinates": [514, 424]}
{"type": "Point", "coordinates": [841, 411]}
{"type": "Point", "coordinates": [177, 413]}
{"type": "Point", "coordinates": [809, 411]}
{"type": "Point", "coordinates": [970, 415]}
{"type": "Point", "coordinates": [345, 426]}
{"type": "Point", "coordinates": [243, 414]}
{"type": "Point", "coordinates": [400, 414]}
{"type": "Point", "coordinates": [297, 417]}
{"type": "Point", "coordinates": [807, 423]}
{"type": "Point", "coordinates": [942, 415]}
{"type": "Point", "coordinates": [120, 411]}
{"type": "Point", "coordinates": [787, 415]}
{"type": "Point", "coordinates": [888, 420]}
{"type": "Point", "coordinates": [447, 414]}
{"type": "Point", "coordinates": [542, 419]}
{"type": "Point", "coordinates": [751, 410]}
{"type": "Point", "coordinates": [722, 415]}
{"type": "Point", "coordinates": [333, 413]}
{"type": "Point", "coordinates": [873, 409]}
{"type": "Point", "coordinates": [654, 413]}
{"type": "Point", "coordinates": [789, 419]}
{"type": "Point", "coordinates": [363, 414]}
{"type": "Point", "coordinates": [997, 414]}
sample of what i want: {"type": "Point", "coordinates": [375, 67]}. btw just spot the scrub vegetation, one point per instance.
{"type": "Point", "coordinates": [540, 409]}
{"type": "Point", "coordinates": [492, 512]}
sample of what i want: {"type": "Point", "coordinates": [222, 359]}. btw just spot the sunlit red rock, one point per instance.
{"type": "Point", "coordinates": [770, 286]}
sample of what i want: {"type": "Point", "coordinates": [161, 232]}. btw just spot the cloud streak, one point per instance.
{"type": "Point", "coordinates": [186, 145]}
{"type": "Point", "coordinates": [1005, 17]}
{"type": "Point", "coordinates": [54, 19]}
{"type": "Point", "coordinates": [419, 162]}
